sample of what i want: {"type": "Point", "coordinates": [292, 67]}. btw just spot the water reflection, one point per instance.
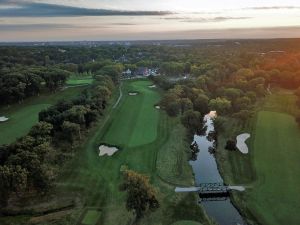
{"type": "Point", "coordinates": [206, 171]}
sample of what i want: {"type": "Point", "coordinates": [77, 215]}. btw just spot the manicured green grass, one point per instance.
{"type": "Point", "coordinates": [236, 168]}
{"type": "Point", "coordinates": [282, 101]}
{"type": "Point", "coordinates": [19, 122]}
{"type": "Point", "coordinates": [79, 80]}
{"type": "Point", "coordinates": [23, 116]}
{"type": "Point", "coordinates": [97, 179]}
{"type": "Point", "coordinates": [186, 222]}
{"type": "Point", "coordinates": [171, 155]}
{"type": "Point", "coordinates": [276, 158]}
{"type": "Point", "coordinates": [91, 217]}
{"type": "Point", "coordinates": [270, 171]}
{"type": "Point", "coordinates": [135, 121]}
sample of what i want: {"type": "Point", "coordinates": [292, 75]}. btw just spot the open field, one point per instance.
{"type": "Point", "coordinates": [270, 170]}
{"type": "Point", "coordinates": [97, 179]}
{"type": "Point", "coordinates": [23, 116]}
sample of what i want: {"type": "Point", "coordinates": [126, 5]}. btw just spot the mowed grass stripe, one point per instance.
{"type": "Point", "coordinates": [276, 197]}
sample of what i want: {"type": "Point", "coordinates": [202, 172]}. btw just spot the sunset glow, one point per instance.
{"type": "Point", "coordinates": [170, 19]}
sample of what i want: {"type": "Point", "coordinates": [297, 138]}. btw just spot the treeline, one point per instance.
{"type": "Point", "coordinates": [231, 86]}
{"type": "Point", "coordinates": [31, 164]}
{"type": "Point", "coordinates": [235, 95]}
{"type": "Point", "coordinates": [19, 82]}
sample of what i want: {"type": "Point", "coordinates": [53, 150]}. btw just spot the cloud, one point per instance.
{"type": "Point", "coordinates": [272, 7]}
{"type": "Point", "coordinates": [213, 19]}
{"type": "Point", "coordinates": [32, 27]}
{"type": "Point", "coordinates": [123, 24]}
{"type": "Point", "coordinates": [34, 9]}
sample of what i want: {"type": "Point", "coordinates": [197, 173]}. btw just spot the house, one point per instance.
{"type": "Point", "coordinates": [142, 71]}
{"type": "Point", "coordinates": [127, 73]}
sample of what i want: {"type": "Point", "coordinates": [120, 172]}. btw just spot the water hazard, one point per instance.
{"type": "Point", "coordinates": [205, 169]}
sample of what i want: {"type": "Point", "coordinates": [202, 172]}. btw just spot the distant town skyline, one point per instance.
{"type": "Point", "coordinates": [100, 20]}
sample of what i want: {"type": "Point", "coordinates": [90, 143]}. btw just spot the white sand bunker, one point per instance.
{"type": "Point", "coordinates": [3, 118]}
{"type": "Point", "coordinates": [240, 143]}
{"type": "Point", "coordinates": [132, 93]}
{"type": "Point", "coordinates": [152, 86]}
{"type": "Point", "coordinates": [106, 150]}
{"type": "Point", "coordinates": [157, 107]}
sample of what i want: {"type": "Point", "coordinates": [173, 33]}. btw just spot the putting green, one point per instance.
{"type": "Point", "coordinates": [275, 198]}
{"type": "Point", "coordinates": [134, 121]}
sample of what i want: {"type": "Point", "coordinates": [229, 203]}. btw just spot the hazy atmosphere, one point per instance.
{"type": "Point", "coordinates": [42, 20]}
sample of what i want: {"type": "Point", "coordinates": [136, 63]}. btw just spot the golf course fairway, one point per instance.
{"type": "Point", "coordinates": [141, 131]}
{"type": "Point", "coordinates": [23, 116]}
{"type": "Point", "coordinates": [135, 120]}
{"type": "Point", "coordinates": [275, 195]}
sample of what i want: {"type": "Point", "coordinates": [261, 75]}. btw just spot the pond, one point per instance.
{"type": "Point", "coordinates": [241, 144]}
{"type": "Point", "coordinates": [206, 171]}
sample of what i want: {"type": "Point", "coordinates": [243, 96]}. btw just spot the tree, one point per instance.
{"type": "Point", "coordinates": [193, 121]}
{"type": "Point", "coordinates": [100, 96]}
{"type": "Point", "coordinates": [71, 131]}
{"type": "Point", "coordinates": [201, 104]}
{"type": "Point", "coordinates": [186, 104]}
{"type": "Point", "coordinates": [298, 120]}
{"type": "Point", "coordinates": [140, 194]}
{"type": "Point", "coordinates": [5, 184]}
{"type": "Point", "coordinates": [230, 145]}
{"type": "Point", "coordinates": [173, 108]}
{"type": "Point", "coordinates": [76, 114]}
{"type": "Point", "coordinates": [41, 130]}
{"type": "Point", "coordinates": [219, 123]}
{"type": "Point", "coordinates": [232, 93]}
{"type": "Point", "coordinates": [114, 71]}
{"type": "Point", "coordinates": [221, 105]}
{"type": "Point", "coordinates": [242, 103]}
{"type": "Point", "coordinates": [243, 115]}
{"type": "Point", "coordinates": [13, 179]}
{"type": "Point", "coordinates": [297, 92]}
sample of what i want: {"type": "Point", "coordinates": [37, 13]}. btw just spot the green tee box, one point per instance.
{"type": "Point", "coordinates": [91, 217]}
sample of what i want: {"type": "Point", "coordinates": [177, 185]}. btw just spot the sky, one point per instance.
{"type": "Point", "coordinates": [114, 20]}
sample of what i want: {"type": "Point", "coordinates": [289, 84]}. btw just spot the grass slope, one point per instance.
{"type": "Point", "coordinates": [277, 154]}
{"type": "Point", "coordinates": [23, 116]}
{"type": "Point", "coordinates": [97, 179]}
